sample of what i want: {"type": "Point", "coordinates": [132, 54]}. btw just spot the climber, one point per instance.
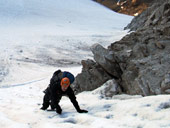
{"type": "Point", "coordinates": [59, 86]}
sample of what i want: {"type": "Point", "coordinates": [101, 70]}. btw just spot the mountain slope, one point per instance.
{"type": "Point", "coordinates": [78, 15]}
{"type": "Point", "coordinates": [34, 44]}
{"type": "Point", "coordinates": [54, 32]}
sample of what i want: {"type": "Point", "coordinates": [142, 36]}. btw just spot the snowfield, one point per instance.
{"type": "Point", "coordinates": [19, 108]}
{"type": "Point", "coordinates": [54, 32]}
{"type": "Point", "coordinates": [38, 37]}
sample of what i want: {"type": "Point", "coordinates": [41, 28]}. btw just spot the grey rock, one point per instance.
{"type": "Point", "coordinates": [140, 61]}
{"type": "Point", "coordinates": [91, 77]}
{"type": "Point", "coordinates": [150, 17]}
{"type": "Point", "coordinates": [106, 60]}
{"type": "Point", "coordinates": [108, 89]}
{"type": "Point", "coordinates": [165, 85]}
{"type": "Point", "coordinates": [146, 70]}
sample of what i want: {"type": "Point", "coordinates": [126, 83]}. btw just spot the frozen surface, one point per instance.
{"type": "Point", "coordinates": [39, 37]}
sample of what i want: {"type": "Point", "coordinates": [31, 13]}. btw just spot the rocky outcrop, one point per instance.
{"type": "Point", "coordinates": [153, 16]}
{"type": "Point", "coordinates": [144, 60]}
{"type": "Point", "coordinates": [139, 62]}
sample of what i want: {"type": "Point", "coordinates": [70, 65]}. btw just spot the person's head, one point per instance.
{"type": "Point", "coordinates": [65, 83]}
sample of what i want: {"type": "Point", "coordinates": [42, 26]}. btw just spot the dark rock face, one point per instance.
{"type": "Point", "coordinates": [153, 16]}
{"type": "Point", "coordinates": [139, 62]}
{"type": "Point", "coordinates": [147, 64]}
{"type": "Point", "coordinates": [146, 69]}
{"type": "Point", "coordinates": [129, 7]}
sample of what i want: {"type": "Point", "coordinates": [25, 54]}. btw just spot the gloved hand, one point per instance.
{"type": "Point", "coordinates": [82, 111]}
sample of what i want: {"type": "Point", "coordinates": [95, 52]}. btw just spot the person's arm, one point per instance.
{"type": "Point", "coordinates": [72, 98]}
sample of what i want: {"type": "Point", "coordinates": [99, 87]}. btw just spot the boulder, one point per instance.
{"type": "Point", "coordinates": [91, 77]}
{"type": "Point", "coordinates": [106, 60]}
{"type": "Point", "coordinates": [108, 89]}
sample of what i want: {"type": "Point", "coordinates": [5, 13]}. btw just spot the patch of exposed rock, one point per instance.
{"type": "Point", "coordinates": [129, 7]}
{"type": "Point", "coordinates": [139, 62]}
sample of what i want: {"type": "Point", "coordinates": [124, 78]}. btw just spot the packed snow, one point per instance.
{"type": "Point", "coordinates": [39, 37]}
{"type": "Point", "coordinates": [20, 108]}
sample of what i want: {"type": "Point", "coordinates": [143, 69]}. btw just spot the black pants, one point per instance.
{"type": "Point", "coordinates": [47, 100]}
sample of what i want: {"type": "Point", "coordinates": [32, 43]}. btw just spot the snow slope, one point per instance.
{"type": "Point", "coordinates": [19, 108]}
{"type": "Point", "coordinates": [55, 17]}
{"type": "Point", "coordinates": [77, 15]}
{"type": "Point", "coordinates": [54, 32]}
{"type": "Point", "coordinates": [38, 37]}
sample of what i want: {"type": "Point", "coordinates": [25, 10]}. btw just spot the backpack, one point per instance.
{"type": "Point", "coordinates": [58, 75]}
{"type": "Point", "coordinates": [69, 75]}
